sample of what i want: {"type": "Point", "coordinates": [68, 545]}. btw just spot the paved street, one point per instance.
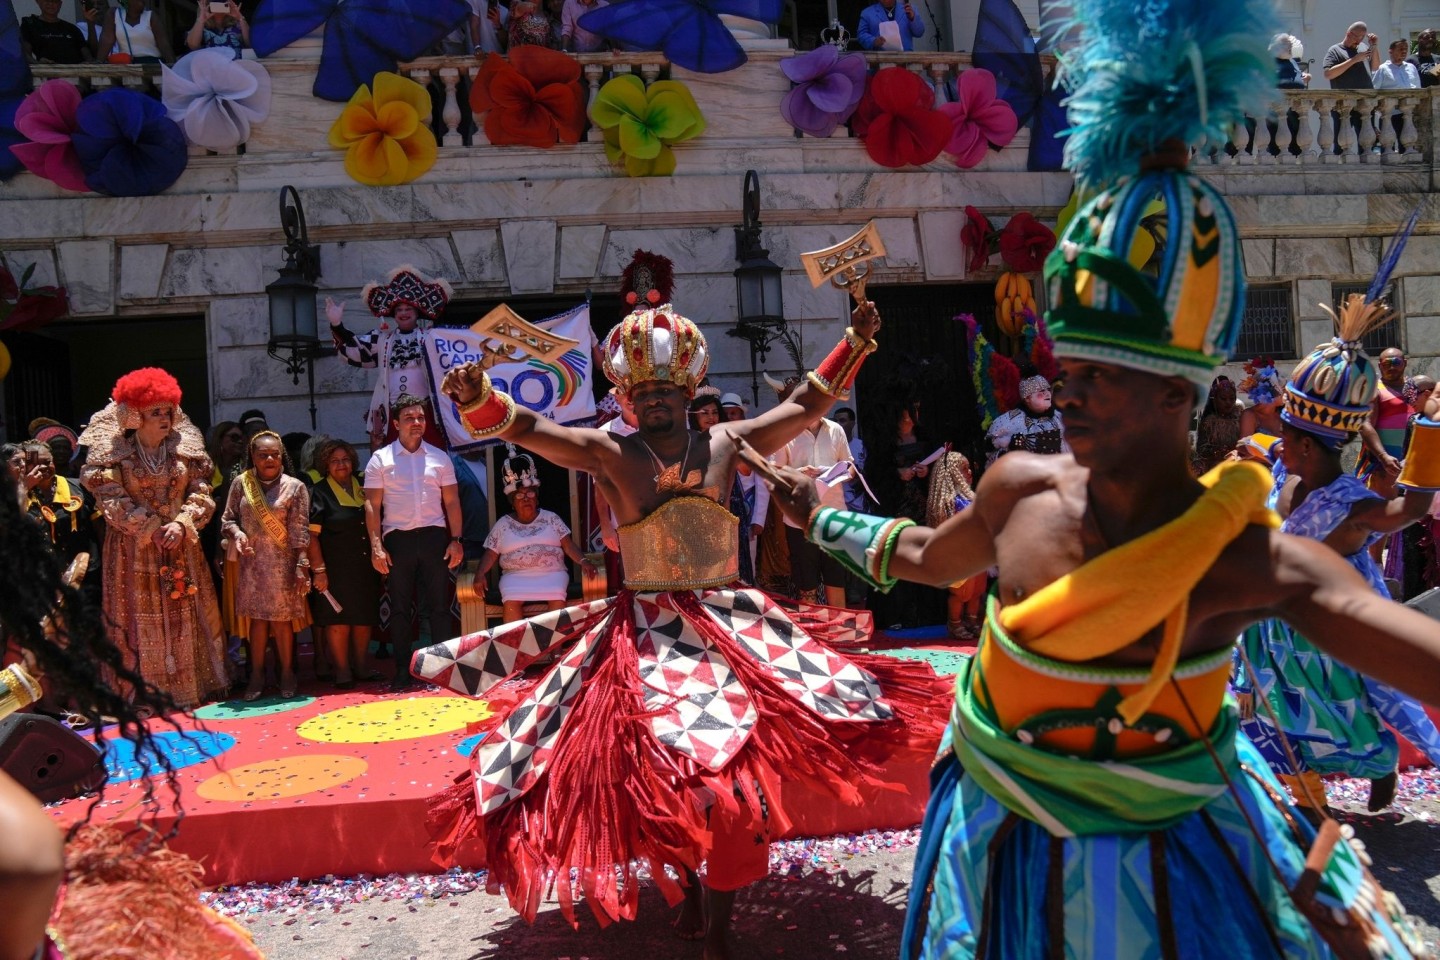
{"type": "Point", "coordinates": [855, 913]}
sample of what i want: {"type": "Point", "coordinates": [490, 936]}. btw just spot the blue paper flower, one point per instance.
{"type": "Point", "coordinates": [14, 86]}
{"type": "Point", "coordinates": [689, 32]}
{"type": "Point", "coordinates": [362, 37]}
{"type": "Point", "coordinates": [127, 146]}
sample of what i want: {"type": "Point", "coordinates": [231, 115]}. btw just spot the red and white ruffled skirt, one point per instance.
{"type": "Point", "coordinates": [666, 722]}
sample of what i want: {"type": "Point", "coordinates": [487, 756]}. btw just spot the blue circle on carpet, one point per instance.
{"type": "Point", "coordinates": [467, 746]}
{"type": "Point", "coordinates": [182, 749]}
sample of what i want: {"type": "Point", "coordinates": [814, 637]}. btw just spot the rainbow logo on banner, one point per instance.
{"type": "Point", "coordinates": [569, 373]}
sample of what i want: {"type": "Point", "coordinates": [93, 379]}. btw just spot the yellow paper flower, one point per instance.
{"type": "Point", "coordinates": [384, 134]}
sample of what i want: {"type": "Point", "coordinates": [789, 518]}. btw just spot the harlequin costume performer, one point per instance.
{"type": "Point", "coordinates": [1087, 803]}
{"type": "Point", "coordinates": [680, 714]}
{"type": "Point", "coordinates": [406, 304]}
{"type": "Point", "coordinates": [1333, 716]}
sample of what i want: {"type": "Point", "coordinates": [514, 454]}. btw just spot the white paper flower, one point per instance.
{"type": "Point", "coordinates": [215, 98]}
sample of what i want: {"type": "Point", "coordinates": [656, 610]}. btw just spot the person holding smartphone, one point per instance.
{"type": "Point", "coordinates": [1347, 66]}
{"type": "Point", "coordinates": [872, 34]}
{"type": "Point", "coordinates": [219, 24]}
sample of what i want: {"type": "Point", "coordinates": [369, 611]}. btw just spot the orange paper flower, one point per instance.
{"type": "Point", "coordinates": [384, 134]}
{"type": "Point", "coordinates": [534, 100]}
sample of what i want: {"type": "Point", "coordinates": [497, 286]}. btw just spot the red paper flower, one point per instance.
{"type": "Point", "coordinates": [23, 307]}
{"type": "Point", "coordinates": [898, 121]}
{"type": "Point", "coordinates": [1025, 243]}
{"type": "Point", "coordinates": [978, 120]}
{"type": "Point", "coordinates": [976, 236]}
{"type": "Point", "coordinates": [534, 100]}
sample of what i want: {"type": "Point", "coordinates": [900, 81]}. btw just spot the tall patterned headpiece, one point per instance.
{"type": "Point", "coordinates": [655, 343]}
{"type": "Point", "coordinates": [518, 471]}
{"type": "Point", "coordinates": [1330, 391]}
{"type": "Point", "coordinates": [407, 285]}
{"type": "Point", "coordinates": [1134, 118]}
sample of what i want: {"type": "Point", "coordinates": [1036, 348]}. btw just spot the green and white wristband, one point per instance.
{"type": "Point", "coordinates": [861, 543]}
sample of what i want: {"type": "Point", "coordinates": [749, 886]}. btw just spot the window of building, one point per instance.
{"type": "Point", "coordinates": [1268, 328]}
{"type": "Point", "coordinates": [1381, 338]}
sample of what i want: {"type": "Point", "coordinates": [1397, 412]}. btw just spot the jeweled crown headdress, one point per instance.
{"type": "Point", "coordinates": [1134, 117]}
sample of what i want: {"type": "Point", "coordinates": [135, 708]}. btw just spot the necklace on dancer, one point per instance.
{"type": "Point", "coordinates": [152, 464]}
{"type": "Point", "coordinates": [676, 468]}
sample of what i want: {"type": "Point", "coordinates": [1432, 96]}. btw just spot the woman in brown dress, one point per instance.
{"type": "Point", "coordinates": [150, 475]}
{"type": "Point", "coordinates": [267, 521]}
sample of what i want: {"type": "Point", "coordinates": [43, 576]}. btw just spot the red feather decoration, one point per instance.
{"type": "Point", "coordinates": [647, 273]}
{"type": "Point", "coordinates": [1006, 378]}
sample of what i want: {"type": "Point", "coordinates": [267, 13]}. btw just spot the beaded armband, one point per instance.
{"type": "Point", "coordinates": [861, 543]}
{"type": "Point", "coordinates": [488, 414]}
{"type": "Point", "coordinates": [836, 373]}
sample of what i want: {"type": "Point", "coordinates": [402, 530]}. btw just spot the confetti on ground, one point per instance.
{"type": "Point", "coordinates": [1415, 786]}
{"type": "Point", "coordinates": [788, 859]}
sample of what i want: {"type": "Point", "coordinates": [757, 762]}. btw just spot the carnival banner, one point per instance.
{"type": "Point", "coordinates": [561, 391]}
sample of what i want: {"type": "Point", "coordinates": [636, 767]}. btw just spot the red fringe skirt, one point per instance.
{"type": "Point", "coordinates": [663, 716]}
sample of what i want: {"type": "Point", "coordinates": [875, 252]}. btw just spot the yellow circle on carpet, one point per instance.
{"type": "Point", "coordinates": [282, 777]}
{"type": "Point", "coordinates": [385, 720]}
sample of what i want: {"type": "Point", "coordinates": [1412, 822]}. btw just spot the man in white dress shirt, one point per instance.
{"type": "Point", "coordinates": [412, 515]}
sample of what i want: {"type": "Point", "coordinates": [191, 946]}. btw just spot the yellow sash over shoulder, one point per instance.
{"type": "Point", "coordinates": [1116, 598]}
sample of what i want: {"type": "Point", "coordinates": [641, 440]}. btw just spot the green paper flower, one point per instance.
{"type": "Point", "coordinates": [642, 123]}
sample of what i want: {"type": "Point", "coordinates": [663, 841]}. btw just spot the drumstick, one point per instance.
{"type": "Point", "coordinates": [759, 464]}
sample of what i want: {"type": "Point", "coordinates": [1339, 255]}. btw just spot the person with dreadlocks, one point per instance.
{"type": "Point", "coordinates": [413, 301]}
{"type": "Point", "coordinates": [674, 712]}
{"type": "Point", "coordinates": [267, 525]}
{"type": "Point", "coordinates": [1094, 796]}
{"type": "Point", "coordinates": [109, 880]}
{"type": "Point", "coordinates": [1218, 429]}
{"type": "Point", "coordinates": [150, 473]}
{"type": "Point", "coordinates": [950, 493]}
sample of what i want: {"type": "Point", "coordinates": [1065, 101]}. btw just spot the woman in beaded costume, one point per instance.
{"type": "Point", "coordinates": [150, 474]}
{"type": "Point", "coordinates": [1330, 713]}
{"type": "Point", "coordinates": [685, 717]}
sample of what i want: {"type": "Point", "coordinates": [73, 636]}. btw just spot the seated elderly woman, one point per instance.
{"type": "Point", "coordinates": [531, 544]}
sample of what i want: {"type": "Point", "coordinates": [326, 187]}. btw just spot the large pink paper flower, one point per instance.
{"type": "Point", "coordinates": [47, 117]}
{"type": "Point", "coordinates": [980, 120]}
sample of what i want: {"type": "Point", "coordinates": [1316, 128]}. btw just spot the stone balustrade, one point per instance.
{"type": "Point", "coordinates": [94, 77]}
{"type": "Point", "coordinates": [1302, 128]}
{"type": "Point", "coordinates": [595, 67]}
{"type": "Point", "coordinates": [1318, 127]}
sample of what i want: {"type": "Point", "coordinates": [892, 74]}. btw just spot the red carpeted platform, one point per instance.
{"type": "Point", "coordinates": [336, 783]}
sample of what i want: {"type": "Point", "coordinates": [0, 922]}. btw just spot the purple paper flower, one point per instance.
{"type": "Point", "coordinates": [127, 146]}
{"type": "Point", "coordinates": [980, 119]}
{"type": "Point", "coordinates": [828, 87]}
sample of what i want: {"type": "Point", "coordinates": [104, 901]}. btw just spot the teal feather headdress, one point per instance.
{"type": "Point", "coordinates": [1147, 72]}
{"type": "Point", "coordinates": [1150, 80]}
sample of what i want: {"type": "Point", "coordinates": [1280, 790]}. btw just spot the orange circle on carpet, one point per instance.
{"type": "Point", "coordinates": [381, 721]}
{"type": "Point", "coordinates": [283, 777]}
